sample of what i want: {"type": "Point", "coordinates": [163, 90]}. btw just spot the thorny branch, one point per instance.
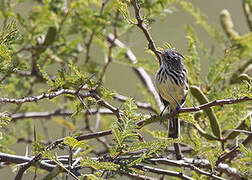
{"type": "Point", "coordinates": [210, 104]}
{"type": "Point", "coordinates": [116, 111]}
{"type": "Point", "coordinates": [36, 158]}
{"type": "Point", "coordinates": [193, 164]}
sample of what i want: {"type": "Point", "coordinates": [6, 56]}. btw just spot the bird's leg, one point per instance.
{"type": "Point", "coordinates": [168, 121]}
{"type": "Point", "coordinates": [178, 108]}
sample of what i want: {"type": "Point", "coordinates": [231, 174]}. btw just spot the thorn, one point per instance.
{"type": "Point", "coordinates": [26, 150]}
{"type": "Point", "coordinates": [90, 77]}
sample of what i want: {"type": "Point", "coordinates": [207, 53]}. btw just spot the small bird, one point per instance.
{"type": "Point", "coordinates": [171, 81]}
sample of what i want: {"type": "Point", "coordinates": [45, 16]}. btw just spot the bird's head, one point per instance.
{"type": "Point", "coordinates": [169, 56]}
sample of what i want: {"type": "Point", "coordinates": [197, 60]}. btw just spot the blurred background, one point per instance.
{"type": "Point", "coordinates": [169, 28]}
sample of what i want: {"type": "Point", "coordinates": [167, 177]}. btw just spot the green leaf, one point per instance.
{"type": "Point", "coordinates": [204, 134]}
{"type": "Point", "coordinates": [241, 126]}
{"type": "Point", "coordinates": [45, 75]}
{"type": "Point", "coordinates": [202, 99]}
{"type": "Point", "coordinates": [98, 165]}
{"type": "Point", "coordinates": [123, 8]}
{"type": "Point", "coordinates": [49, 39]}
{"type": "Point", "coordinates": [5, 57]}
{"type": "Point", "coordinates": [74, 143]}
{"type": "Point", "coordinates": [125, 130]}
{"type": "Point", "coordinates": [4, 119]}
{"type": "Point", "coordinates": [9, 34]}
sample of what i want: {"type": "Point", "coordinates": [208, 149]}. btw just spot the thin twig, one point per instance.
{"type": "Point", "coordinates": [16, 159]}
{"type": "Point", "coordinates": [83, 103]}
{"type": "Point", "coordinates": [142, 26]}
{"type": "Point", "coordinates": [233, 153]}
{"type": "Point", "coordinates": [88, 44]}
{"type": "Point", "coordinates": [108, 59]}
{"type": "Point", "coordinates": [103, 103]}
{"type": "Point", "coordinates": [90, 77]}
{"type": "Point", "coordinates": [39, 97]}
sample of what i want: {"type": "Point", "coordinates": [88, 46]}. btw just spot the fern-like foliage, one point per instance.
{"type": "Point", "coordinates": [125, 129]}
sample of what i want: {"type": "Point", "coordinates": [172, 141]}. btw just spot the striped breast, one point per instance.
{"type": "Point", "coordinates": [172, 86]}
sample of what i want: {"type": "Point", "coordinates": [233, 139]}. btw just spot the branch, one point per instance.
{"type": "Point", "coordinates": [50, 95]}
{"type": "Point", "coordinates": [39, 97]}
{"type": "Point", "coordinates": [221, 102]}
{"type": "Point", "coordinates": [103, 103]}
{"type": "Point", "coordinates": [162, 171]}
{"type": "Point", "coordinates": [141, 73]}
{"type": "Point", "coordinates": [157, 118]}
{"type": "Point", "coordinates": [233, 153]}
{"type": "Point", "coordinates": [139, 177]}
{"type": "Point", "coordinates": [36, 158]}
{"type": "Point", "coordinates": [223, 168]}
{"type": "Point", "coordinates": [24, 167]}
{"type": "Point", "coordinates": [58, 112]}
{"type": "Point", "coordinates": [139, 104]}
{"type": "Point", "coordinates": [182, 163]}
{"type": "Point", "coordinates": [215, 103]}
{"type": "Point", "coordinates": [142, 26]}
{"type": "Point", "coordinates": [118, 113]}
{"type": "Point", "coordinates": [22, 159]}
{"type": "Point", "coordinates": [193, 164]}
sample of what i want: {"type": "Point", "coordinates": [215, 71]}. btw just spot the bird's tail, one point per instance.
{"type": "Point", "coordinates": [174, 128]}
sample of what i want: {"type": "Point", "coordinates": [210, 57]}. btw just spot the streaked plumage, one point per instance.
{"type": "Point", "coordinates": [172, 85]}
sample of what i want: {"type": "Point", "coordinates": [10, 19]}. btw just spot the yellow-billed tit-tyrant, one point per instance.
{"type": "Point", "coordinates": [171, 82]}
